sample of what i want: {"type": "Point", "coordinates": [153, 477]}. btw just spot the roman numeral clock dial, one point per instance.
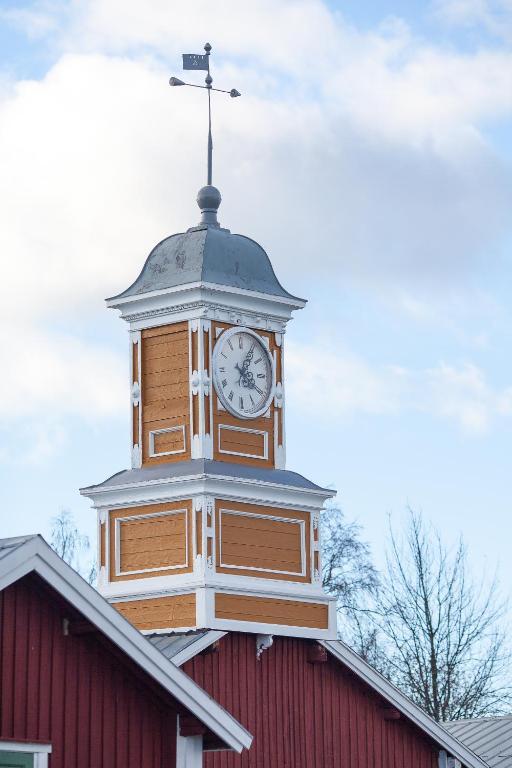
{"type": "Point", "coordinates": [243, 373]}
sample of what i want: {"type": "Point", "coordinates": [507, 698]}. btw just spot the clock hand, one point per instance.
{"type": "Point", "coordinates": [246, 377]}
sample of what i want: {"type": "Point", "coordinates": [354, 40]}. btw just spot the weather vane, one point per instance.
{"type": "Point", "coordinates": [201, 61]}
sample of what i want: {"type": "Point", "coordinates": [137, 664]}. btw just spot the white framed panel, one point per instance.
{"type": "Point", "coordinates": [273, 518]}
{"type": "Point", "coordinates": [229, 428]}
{"type": "Point", "coordinates": [164, 431]}
{"type": "Point", "coordinates": [134, 518]}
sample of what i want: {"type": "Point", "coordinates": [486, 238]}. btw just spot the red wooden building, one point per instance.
{"type": "Point", "coordinates": [81, 688]}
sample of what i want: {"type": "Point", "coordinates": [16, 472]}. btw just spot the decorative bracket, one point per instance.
{"type": "Point", "coordinates": [263, 643]}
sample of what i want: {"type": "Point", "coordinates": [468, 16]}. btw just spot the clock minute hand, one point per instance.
{"type": "Point", "coordinates": [248, 358]}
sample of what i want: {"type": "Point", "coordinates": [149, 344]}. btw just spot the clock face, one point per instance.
{"type": "Point", "coordinates": [243, 373]}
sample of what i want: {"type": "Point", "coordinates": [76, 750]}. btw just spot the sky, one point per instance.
{"type": "Point", "coordinates": [370, 155]}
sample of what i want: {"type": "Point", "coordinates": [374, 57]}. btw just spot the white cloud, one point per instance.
{"type": "Point", "coordinates": [51, 374]}
{"type": "Point", "coordinates": [495, 16]}
{"type": "Point", "coordinates": [350, 156]}
{"type": "Point", "coordinates": [460, 394]}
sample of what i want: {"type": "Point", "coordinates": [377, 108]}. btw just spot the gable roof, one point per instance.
{"type": "Point", "coordinates": [489, 737]}
{"type": "Point", "coordinates": [183, 647]}
{"type": "Point", "coordinates": [26, 554]}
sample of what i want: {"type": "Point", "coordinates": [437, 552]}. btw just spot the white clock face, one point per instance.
{"type": "Point", "coordinates": [243, 373]}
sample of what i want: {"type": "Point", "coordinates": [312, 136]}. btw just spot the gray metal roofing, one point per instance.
{"type": "Point", "coordinates": [488, 737]}
{"type": "Point", "coordinates": [207, 254]}
{"type": "Point", "coordinates": [206, 467]}
{"type": "Point", "coordinates": [172, 643]}
{"type": "Point", "coordinates": [9, 545]}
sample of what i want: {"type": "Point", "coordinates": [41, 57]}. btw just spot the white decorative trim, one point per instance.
{"type": "Point", "coordinates": [230, 428]}
{"type": "Point", "coordinates": [209, 532]}
{"type": "Point", "coordinates": [131, 519]}
{"type": "Point", "coordinates": [276, 519]}
{"type": "Point", "coordinates": [316, 572]}
{"type": "Point", "coordinates": [155, 309]}
{"type": "Point", "coordinates": [136, 399]}
{"type": "Point", "coordinates": [136, 457]}
{"type": "Point", "coordinates": [176, 583]}
{"type": "Point", "coordinates": [164, 431]}
{"type": "Point", "coordinates": [224, 337]}
{"type": "Point", "coordinates": [33, 555]}
{"type": "Point", "coordinates": [263, 643]}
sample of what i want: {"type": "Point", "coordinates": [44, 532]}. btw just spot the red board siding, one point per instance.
{"type": "Point", "coordinates": [304, 715]}
{"type": "Point", "coordinates": [77, 691]}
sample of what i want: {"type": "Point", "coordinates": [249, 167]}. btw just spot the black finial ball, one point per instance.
{"type": "Point", "coordinates": [208, 198]}
{"type": "Point", "coordinates": [207, 47]}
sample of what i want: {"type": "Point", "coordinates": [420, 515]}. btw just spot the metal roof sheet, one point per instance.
{"type": "Point", "coordinates": [488, 737]}
{"type": "Point", "coordinates": [209, 467]}
{"type": "Point", "coordinates": [9, 545]}
{"type": "Point", "coordinates": [207, 254]}
{"type": "Point", "coordinates": [172, 643]}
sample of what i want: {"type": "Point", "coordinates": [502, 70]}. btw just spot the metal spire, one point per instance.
{"type": "Point", "coordinates": [201, 61]}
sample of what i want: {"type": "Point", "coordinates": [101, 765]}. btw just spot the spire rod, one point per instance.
{"type": "Point", "coordinates": [201, 61]}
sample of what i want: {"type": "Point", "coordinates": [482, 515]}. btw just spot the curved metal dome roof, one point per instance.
{"type": "Point", "coordinates": [209, 254]}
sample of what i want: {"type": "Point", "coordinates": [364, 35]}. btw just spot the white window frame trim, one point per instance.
{"type": "Point", "coordinates": [40, 752]}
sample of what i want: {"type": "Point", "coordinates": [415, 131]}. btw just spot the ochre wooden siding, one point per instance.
{"type": "Point", "coordinates": [152, 540]}
{"type": "Point", "coordinates": [150, 543]}
{"type": "Point", "coordinates": [268, 610]}
{"type": "Point", "coordinates": [160, 612]}
{"type": "Point", "coordinates": [77, 692]}
{"type": "Point", "coordinates": [304, 715]}
{"type": "Point", "coordinates": [245, 443]}
{"type": "Point", "coordinates": [270, 545]}
{"type": "Point", "coordinates": [165, 387]}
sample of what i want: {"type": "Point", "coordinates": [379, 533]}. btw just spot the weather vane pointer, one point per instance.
{"type": "Point", "coordinates": [201, 61]}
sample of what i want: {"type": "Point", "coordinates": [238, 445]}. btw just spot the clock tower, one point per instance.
{"type": "Point", "coordinates": [208, 529]}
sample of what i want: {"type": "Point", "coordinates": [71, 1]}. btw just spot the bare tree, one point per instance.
{"type": "Point", "coordinates": [348, 573]}
{"type": "Point", "coordinates": [71, 545]}
{"type": "Point", "coordinates": [442, 636]}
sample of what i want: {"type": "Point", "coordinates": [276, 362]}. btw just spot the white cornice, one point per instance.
{"type": "Point", "coordinates": [232, 488]}
{"type": "Point", "coordinates": [160, 586]}
{"type": "Point", "coordinates": [208, 300]}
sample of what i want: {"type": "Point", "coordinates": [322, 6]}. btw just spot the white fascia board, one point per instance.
{"type": "Point", "coordinates": [228, 488]}
{"type": "Point", "coordinates": [260, 628]}
{"type": "Point", "coordinates": [388, 691]}
{"type": "Point", "coordinates": [163, 586]}
{"type": "Point", "coordinates": [36, 556]}
{"type": "Point", "coordinates": [193, 299]}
